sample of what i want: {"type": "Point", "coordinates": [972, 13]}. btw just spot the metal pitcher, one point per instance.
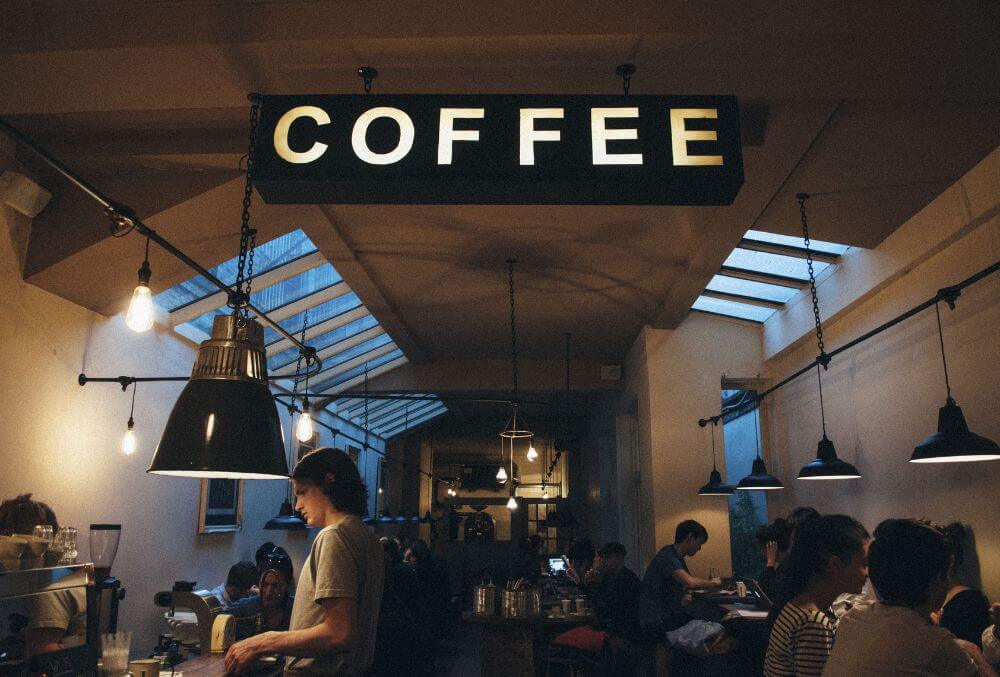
{"type": "Point", "coordinates": [485, 599]}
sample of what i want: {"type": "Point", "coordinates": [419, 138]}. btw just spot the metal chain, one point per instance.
{"type": "Point", "coordinates": [247, 235]}
{"type": "Point", "coordinates": [823, 358]}
{"type": "Point", "coordinates": [298, 362]}
{"type": "Point", "coordinates": [366, 405]}
{"type": "Point", "coordinates": [513, 323]}
{"type": "Point", "coordinates": [252, 248]}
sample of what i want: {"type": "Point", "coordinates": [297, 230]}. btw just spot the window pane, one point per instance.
{"type": "Point", "coordinates": [775, 264]}
{"type": "Point", "coordinates": [343, 356]}
{"type": "Point", "coordinates": [815, 245]}
{"type": "Point", "coordinates": [357, 371]}
{"type": "Point", "coordinates": [266, 256]}
{"type": "Point", "coordinates": [286, 357]}
{"type": "Point", "coordinates": [743, 311]}
{"type": "Point", "coordinates": [317, 314]}
{"type": "Point", "coordinates": [760, 290]}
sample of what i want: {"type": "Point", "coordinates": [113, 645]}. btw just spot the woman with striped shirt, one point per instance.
{"type": "Point", "coordinates": [829, 557]}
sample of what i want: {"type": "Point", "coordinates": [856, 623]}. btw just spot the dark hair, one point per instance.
{"type": "Point", "coordinates": [278, 560]}
{"type": "Point", "coordinates": [801, 514]}
{"type": "Point", "coordinates": [258, 556]}
{"type": "Point", "coordinates": [20, 515]}
{"type": "Point", "coordinates": [955, 534]}
{"type": "Point", "coordinates": [613, 548]}
{"type": "Point", "coordinates": [689, 528]}
{"type": "Point", "coordinates": [816, 540]}
{"type": "Point", "coordinates": [420, 552]}
{"type": "Point", "coordinates": [243, 575]}
{"type": "Point", "coordinates": [582, 549]}
{"type": "Point", "coordinates": [333, 471]}
{"type": "Point", "coordinates": [905, 558]}
{"type": "Point", "coordinates": [779, 531]}
{"type": "Point", "coordinates": [390, 549]}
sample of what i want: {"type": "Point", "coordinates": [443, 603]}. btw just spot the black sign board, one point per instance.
{"type": "Point", "coordinates": [499, 149]}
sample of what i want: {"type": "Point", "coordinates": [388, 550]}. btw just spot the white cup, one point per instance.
{"type": "Point", "coordinates": [741, 589]}
{"type": "Point", "coordinates": [566, 606]}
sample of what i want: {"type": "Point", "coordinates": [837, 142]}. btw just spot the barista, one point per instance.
{"type": "Point", "coordinates": [56, 620]}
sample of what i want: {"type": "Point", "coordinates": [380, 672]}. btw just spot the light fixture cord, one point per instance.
{"type": "Point", "coordinates": [823, 359]}
{"type": "Point", "coordinates": [822, 409]}
{"type": "Point", "coordinates": [756, 426]}
{"type": "Point", "coordinates": [513, 326]}
{"type": "Point", "coordinates": [944, 361]}
{"type": "Point", "coordinates": [714, 423]}
{"type": "Point", "coordinates": [131, 411]}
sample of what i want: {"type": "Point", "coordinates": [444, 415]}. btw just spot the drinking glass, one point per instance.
{"type": "Point", "coordinates": [114, 653]}
{"type": "Point", "coordinates": [711, 572]}
{"type": "Point", "coordinates": [66, 541]}
{"type": "Point", "coordinates": [43, 531]}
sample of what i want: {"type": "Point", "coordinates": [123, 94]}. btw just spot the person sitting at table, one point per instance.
{"type": "Point", "coordinates": [339, 590]}
{"type": "Point", "coordinates": [773, 540]}
{"type": "Point", "coordinates": [966, 611]}
{"type": "Point", "coordinates": [667, 580]}
{"type": "Point", "coordinates": [56, 620]}
{"type": "Point", "coordinates": [828, 558]}
{"type": "Point", "coordinates": [614, 590]}
{"type": "Point", "coordinates": [239, 583]}
{"type": "Point", "coordinates": [908, 563]}
{"type": "Point", "coordinates": [271, 608]}
{"type": "Point", "coordinates": [580, 554]}
{"type": "Point", "coordinates": [264, 550]}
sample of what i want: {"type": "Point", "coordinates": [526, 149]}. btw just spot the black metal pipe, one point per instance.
{"type": "Point", "coordinates": [946, 294]}
{"type": "Point", "coordinates": [123, 213]}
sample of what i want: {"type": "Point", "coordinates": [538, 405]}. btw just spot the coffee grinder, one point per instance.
{"type": "Point", "coordinates": [106, 591]}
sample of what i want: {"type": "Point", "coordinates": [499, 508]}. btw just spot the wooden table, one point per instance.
{"type": "Point", "coordinates": [512, 647]}
{"type": "Point", "coordinates": [214, 665]}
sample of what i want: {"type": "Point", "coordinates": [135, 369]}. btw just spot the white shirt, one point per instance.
{"type": "Point", "coordinates": [880, 640]}
{"type": "Point", "coordinates": [220, 594]}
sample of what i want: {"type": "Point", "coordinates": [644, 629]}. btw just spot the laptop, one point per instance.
{"type": "Point", "coordinates": [753, 588]}
{"type": "Point", "coordinates": [557, 565]}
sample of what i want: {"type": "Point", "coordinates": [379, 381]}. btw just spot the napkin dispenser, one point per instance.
{"type": "Point", "coordinates": [203, 603]}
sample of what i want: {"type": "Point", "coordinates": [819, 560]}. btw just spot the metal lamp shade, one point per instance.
{"type": "Point", "coordinates": [759, 478]}
{"type": "Point", "coordinates": [225, 423]}
{"type": "Point", "coordinates": [715, 486]}
{"type": "Point", "coordinates": [286, 519]}
{"type": "Point", "coordinates": [954, 442]}
{"type": "Point", "coordinates": [827, 466]}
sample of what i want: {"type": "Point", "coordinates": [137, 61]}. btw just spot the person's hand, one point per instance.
{"type": "Point", "coordinates": [716, 582]}
{"type": "Point", "coordinates": [771, 553]}
{"type": "Point", "coordinates": [936, 616]}
{"type": "Point", "coordinates": [242, 655]}
{"type": "Point", "coordinates": [593, 576]}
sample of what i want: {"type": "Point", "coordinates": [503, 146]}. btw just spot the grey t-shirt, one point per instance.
{"type": "Point", "coordinates": [345, 561]}
{"type": "Point", "coordinates": [64, 610]}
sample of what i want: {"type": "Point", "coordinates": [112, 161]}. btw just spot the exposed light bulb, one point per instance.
{"type": "Point", "coordinates": [545, 494]}
{"type": "Point", "coordinates": [502, 475]}
{"type": "Point", "coordinates": [512, 503]}
{"type": "Point", "coordinates": [139, 317]}
{"type": "Point", "coordinates": [532, 453]}
{"type": "Point", "coordinates": [380, 490]}
{"type": "Point", "coordinates": [304, 428]}
{"type": "Point", "coordinates": [129, 441]}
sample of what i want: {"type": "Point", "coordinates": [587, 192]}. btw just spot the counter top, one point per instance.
{"type": "Point", "coordinates": [538, 619]}
{"type": "Point", "coordinates": [214, 665]}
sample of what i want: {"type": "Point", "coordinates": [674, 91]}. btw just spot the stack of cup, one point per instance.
{"type": "Point", "coordinates": [114, 653]}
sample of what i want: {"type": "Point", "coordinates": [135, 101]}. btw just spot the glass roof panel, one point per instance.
{"type": "Point", "coordinates": [421, 418]}
{"type": "Point", "coordinates": [350, 353]}
{"type": "Point", "coordinates": [267, 256]}
{"type": "Point", "coordinates": [317, 314]}
{"type": "Point", "coordinates": [816, 245]}
{"type": "Point", "coordinates": [759, 290]}
{"type": "Point", "coordinates": [286, 357]}
{"type": "Point", "coordinates": [773, 264]}
{"type": "Point", "coordinates": [356, 371]}
{"type": "Point", "coordinates": [277, 295]}
{"type": "Point", "coordinates": [742, 311]}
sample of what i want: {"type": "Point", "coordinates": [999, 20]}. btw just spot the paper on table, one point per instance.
{"type": "Point", "coordinates": [745, 613]}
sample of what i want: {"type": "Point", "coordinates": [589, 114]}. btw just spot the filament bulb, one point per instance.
{"type": "Point", "coordinates": [129, 441]}
{"type": "Point", "coordinates": [512, 503]}
{"type": "Point", "coordinates": [502, 475]}
{"type": "Point", "coordinates": [139, 317]}
{"type": "Point", "coordinates": [532, 453]}
{"type": "Point", "coordinates": [304, 428]}
{"type": "Point", "coordinates": [545, 494]}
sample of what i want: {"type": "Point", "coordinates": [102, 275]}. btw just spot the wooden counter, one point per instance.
{"type": "Point", "coordinates": [214, 665]}
{"type": "Point", "coordinates": [515, 647]}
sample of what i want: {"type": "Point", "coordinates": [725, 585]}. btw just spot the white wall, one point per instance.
{"type": "Point", "coordinates": [883, 396]}
{"type": "Point", "coordinates": [60, 441]}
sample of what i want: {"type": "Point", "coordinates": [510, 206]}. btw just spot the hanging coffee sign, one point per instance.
{"type": "Point", "coordinates": [493, 149]}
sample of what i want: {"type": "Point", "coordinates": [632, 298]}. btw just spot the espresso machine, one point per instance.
{"type": "Point", "coordinates": [206, 608]}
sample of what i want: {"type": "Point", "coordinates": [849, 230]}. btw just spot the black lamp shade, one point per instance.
{"type": "Point", "coordinates": [715, 486]}
{"type": "Point", "coordinates": [759, 478]}
{"type": "Point", "coordinates": [954, 442]}
{"type": "Point", "coordinates": [225, 424]}
{"type": "Point", "coordinates": [222, 429]}
{"type": "Point", "coordinates": [827, 466]}
{"type": "Point", "coordinates": [286, 519]}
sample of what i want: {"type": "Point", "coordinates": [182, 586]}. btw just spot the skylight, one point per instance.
{"type": "Point", "coordinates": [388, 418]}
{"type": "Point", "coordinates": [764, 272]}
{"type": "Point", "coordinates": [294, 283]}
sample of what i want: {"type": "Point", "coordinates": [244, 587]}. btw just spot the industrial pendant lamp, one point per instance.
{"type": "Point", "coordinates": [139, 317]}
{"type": "Point", "coordinates": [953, 442]}
{"type": "Point", "coordinates": [225, 423]}
{"type": "Point", "coordinates": [759, 478]}
{"type": "Point", "coordinates": [826, 465]}
{"type": "Point", "coordinates": [715, 486]}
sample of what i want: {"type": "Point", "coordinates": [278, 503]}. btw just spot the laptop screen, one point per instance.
{"type": "Point", "coordinates": [557, 564]}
